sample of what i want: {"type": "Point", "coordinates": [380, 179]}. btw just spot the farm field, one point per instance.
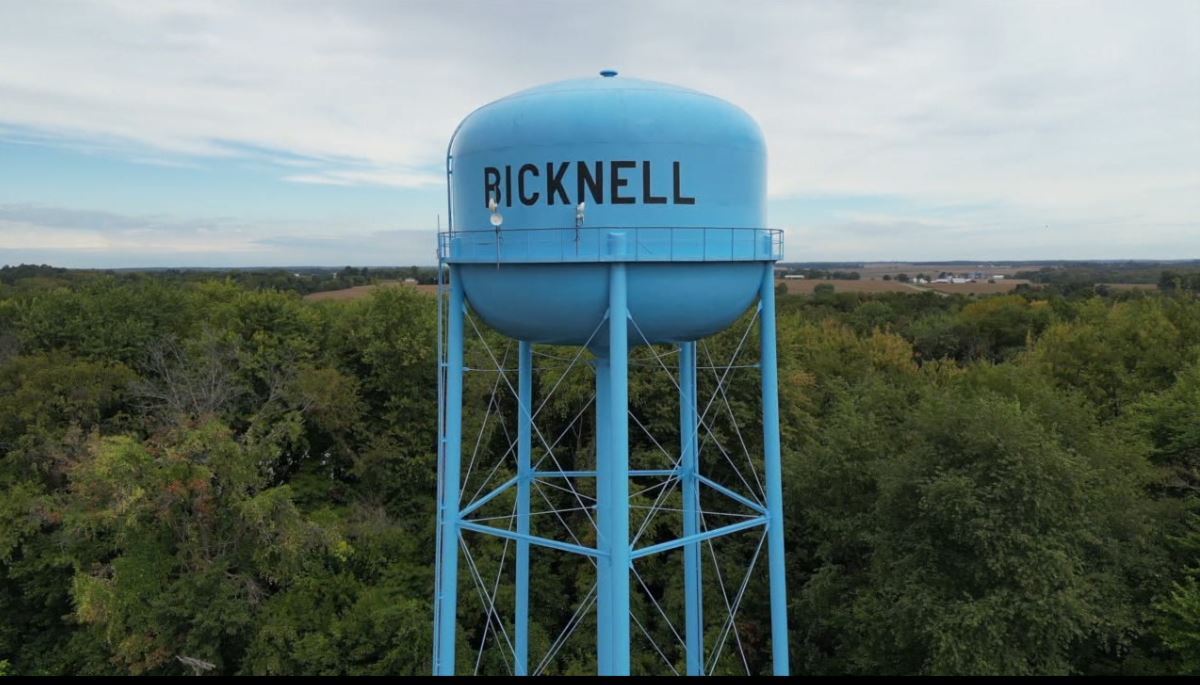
{"type": "Point", "coordinates": [1130, 286]}
{"type": "Point", "coordinates": [880, 269]}
{"type": "Point", "coordinates": [978, 288]}
{"type": "Point", "coordinates": [362, 291]}
{"type": "Point", "coordinates": [807, 286]}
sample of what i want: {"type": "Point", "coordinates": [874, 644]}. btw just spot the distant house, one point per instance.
{"type": "Point", "coordinates": [410, 281]}
{"type": "Point", "coordinates": [998, 277]}
{"type": "Point", "coordinates": [794, 276]}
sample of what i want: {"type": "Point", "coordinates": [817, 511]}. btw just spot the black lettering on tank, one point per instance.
{"type": "Point", "coordinates": [527, 199]}
{"type": "Point", "coordinates": [648, 198]}
{"type": "Point", "coordinates": [554, 184]}
{"type": "Point", "coordinates": [680, 198]}
{"type": "Point", "coordinates": [590, 179]}
{"type": "Point", "coordinates": [491, 185]}
{"type": "Point", "coordinates": [616, 182]}
{"type": "Point", "coordinates": [594, 182]}
{"type": "Point", "coordinates": [507, 186]}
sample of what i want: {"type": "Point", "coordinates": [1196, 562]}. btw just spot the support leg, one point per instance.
{"type": "Point", "coordinates": [615, 499]}
{"type": "Point", "coordinates": [524, 483]}
{"type": "Point", "coordinates": [689, 471]}
{"type": "Point", "coordinates": [603, 481]}
{"type": "Point", "coordinates": [447, 601]}
{"type": "Point", "coordinates": [773, 472]}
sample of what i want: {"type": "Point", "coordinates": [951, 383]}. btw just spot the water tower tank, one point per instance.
{"type": "Point", "coordinates": [605, 212]}
{"type": "Point", "coordinates": [671, 180]}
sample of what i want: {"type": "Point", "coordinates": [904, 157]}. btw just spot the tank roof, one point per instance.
{"type": "Point", "coordinates": [606, 108]}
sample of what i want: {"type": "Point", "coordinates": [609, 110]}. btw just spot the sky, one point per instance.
{"type": "Point", "coordinates": [136, 133]}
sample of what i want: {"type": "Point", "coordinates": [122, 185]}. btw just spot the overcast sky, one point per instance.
{"type": "Point", "coordinates": [138, 133]}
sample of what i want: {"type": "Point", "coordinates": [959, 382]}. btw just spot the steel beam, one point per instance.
{"type": "Point", "coordinates": [773, 471]}
{"type": "Point", "coordinates": [699, 537]}
{"type": "Point", "coordinates": [531, 539]}
{"type": "Point", "coordinates": [615, 500]}
{"type": "Point", "coordinates": [524, 483]}
{"type": "Point", "coordinates": [689, 476]}
{"type": "Point", "coordinates": [448, 513]}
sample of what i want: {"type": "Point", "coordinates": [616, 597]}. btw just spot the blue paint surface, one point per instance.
{"type": "Point", "coordinates": [564, 304]}
{"type": "Point", "coordinates": [681, 259]}
{"type": "Point", "coordinates": [694, 175]}
{"type": "Point", "coordinates": [720, 150]}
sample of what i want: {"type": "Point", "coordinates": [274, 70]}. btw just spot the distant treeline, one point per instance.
{"type": "Point", "coordinates": [827, 274]}
{"type": "Point", "coordinates": [1069, 276]}
{"type": "Point", "coordinates": [1163, 274]}
{"type": "Point", "coordinates": [303, 280]}
{"type": "Point", "coordinates": [1174, 281]}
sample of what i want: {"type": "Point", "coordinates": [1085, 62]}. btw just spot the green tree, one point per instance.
{"type": "Point", "coordinates": [1178, 619]}
{"type": "Point", "coordinates": [1115, 353]}
{"type": "Point", "coordinates": [178, 542]}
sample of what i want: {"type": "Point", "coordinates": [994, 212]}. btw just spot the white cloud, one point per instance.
{"type": "Point", "coordinates": [75, 238]}
{"type": "Point", "coordinates": [382, 177]}
{"type": "Point", "coordinates": [1066, 114]}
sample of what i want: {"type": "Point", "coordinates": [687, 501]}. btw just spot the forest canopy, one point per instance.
{"type": "Point", "coordinates": [208, 473]}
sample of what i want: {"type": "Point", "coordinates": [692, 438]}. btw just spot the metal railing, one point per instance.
{"type": "Point", "coordinates": [599, 244]}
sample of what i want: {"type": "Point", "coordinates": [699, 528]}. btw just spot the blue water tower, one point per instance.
{"type": "Point", "coordinates": [606, 213]}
